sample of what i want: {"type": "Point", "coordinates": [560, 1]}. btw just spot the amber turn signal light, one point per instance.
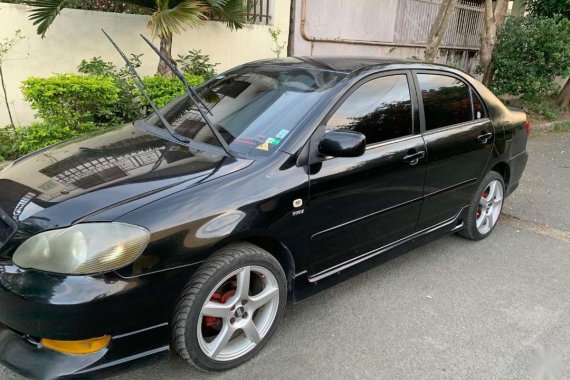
{"type": "Point", "coordinates": [77, 347]}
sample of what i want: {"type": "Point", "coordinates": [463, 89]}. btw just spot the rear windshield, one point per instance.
{"type": "Point", "coordinates": [254, 108]}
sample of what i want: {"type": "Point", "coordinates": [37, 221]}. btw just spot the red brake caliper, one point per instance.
{"type": "Point", "coordinates": [215, 322]}
{"type": "Point", "coordinates": [479, 208]}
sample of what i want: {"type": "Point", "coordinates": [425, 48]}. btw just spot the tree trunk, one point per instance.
{"type": "Point", "coordinates": [166, 49]}
{"type": "Point", "coordinates": [564, 98]}
{"type": "Point", "coordinates": [6, 97]}
{"type": "Point", "coordinates": [439, 28]}
{"type": "Point", "coordinates": [494, 20]}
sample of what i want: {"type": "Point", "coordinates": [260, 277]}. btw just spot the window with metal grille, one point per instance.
{"type": "Point", "coordinates": [259, 11]}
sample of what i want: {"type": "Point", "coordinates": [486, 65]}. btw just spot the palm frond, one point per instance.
{"type": "Point", "coordinates": [230, 12]}
{"type": "Point", "coordinates": [216, 3]}
{"type": "Point", "coordinates": [172, 20]}
{"type": "Point", "coordinates": [44, 13]}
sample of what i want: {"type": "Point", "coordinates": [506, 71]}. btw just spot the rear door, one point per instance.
{"type": "Point", "coordinates": [360, 204]}
{"type": "Point", "coordinates": [459, 138]}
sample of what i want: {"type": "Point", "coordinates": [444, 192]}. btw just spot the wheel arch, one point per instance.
{"type": "Point", "coordinates": [504, 170]}
{"type": "Point", "coordinates": [277, 249]}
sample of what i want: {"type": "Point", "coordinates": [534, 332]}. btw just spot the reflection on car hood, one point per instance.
{"type": "Point", "coordinates": [68, 181]}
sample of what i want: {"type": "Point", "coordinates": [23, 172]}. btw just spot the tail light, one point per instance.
{"type": "Point", "coordinates": [528, 127]}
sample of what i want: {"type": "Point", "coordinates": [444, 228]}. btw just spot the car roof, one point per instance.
{"type": "Point", "coordinates": [344, 64]}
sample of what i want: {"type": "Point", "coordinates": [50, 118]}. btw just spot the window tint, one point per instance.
{"type": "Point", "coordinates": [478, 110]}
{"type": "Point", "coordinates": [447, 100]}
{"type": "Point", "coordinates": [380, 109]}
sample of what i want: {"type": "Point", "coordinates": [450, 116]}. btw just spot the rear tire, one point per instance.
{"type": "Point", "coordinates": [485, 207]}
{"type": "Point", "coordinates": [230, 308]}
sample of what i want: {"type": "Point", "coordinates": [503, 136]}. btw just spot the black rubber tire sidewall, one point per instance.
{"type": "Point", "coordinates": [211, 272]}
{"type": "Point", "coordinates": [470, 230]}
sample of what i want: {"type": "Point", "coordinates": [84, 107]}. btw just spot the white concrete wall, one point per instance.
{"type": "Point", "coordinates": [76, 35]}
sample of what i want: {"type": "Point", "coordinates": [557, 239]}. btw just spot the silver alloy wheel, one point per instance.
{"type": "Point", "coordinates": [490, 206]}
{"type": "Point", "coordinates": [244, 318]}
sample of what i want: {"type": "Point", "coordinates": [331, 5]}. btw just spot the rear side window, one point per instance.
{"type": "Point", "coordinates": [381, 109]}
{"type": "Point", "coordinates": [447, 100]}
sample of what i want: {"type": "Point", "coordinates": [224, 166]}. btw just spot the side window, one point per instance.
{"type": "Point", "coordinates": [447, 100]}
{"type": "Point", "coordinates": [381, 109]}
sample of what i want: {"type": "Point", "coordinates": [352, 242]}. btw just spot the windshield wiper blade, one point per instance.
{"type": "Point", "coordinates": [193, 95]}
{"type": "Point", "coordinates": [140, 85]}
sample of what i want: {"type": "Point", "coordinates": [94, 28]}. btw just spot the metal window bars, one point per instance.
{"type": "Point", "coordinates": [258, 11]}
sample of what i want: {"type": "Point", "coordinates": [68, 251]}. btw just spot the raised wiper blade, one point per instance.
{"type": "Point", "coordinates": [140, 85]}
{"type": "Point", "coordinates": [192, 94]}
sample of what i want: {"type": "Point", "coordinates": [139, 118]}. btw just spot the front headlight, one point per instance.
{"type": "Point", "coordinates": [83, 249]}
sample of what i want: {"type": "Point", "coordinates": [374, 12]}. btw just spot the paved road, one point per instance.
{"type": "Point", "coordinates": [499, 308]}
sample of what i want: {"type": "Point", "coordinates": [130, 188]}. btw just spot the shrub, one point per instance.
{"type": "Point", "coordinates": [530, 53]}
{"type": "Point", "coordinates": [72, 105]}
{"type": "Point", "coordinates": [549, 8]}
{"type": "Point", "coordinates": [40, 135]}
{"type": "Point", "coordinates": [164, 89]}
{"type": "Point", "coordinates": [127, 107]}
{"type": "Point", "coordinates": [9, 142]}
{"type": "Point", "coordinates": [196, 63]}
{"type": "Point", "coordinates": [23, 140]}
{"type": "Point", "coordinates": [67, 100]}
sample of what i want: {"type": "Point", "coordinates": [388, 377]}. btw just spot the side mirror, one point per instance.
{"type": "Point", "coordinates": [342, 144]}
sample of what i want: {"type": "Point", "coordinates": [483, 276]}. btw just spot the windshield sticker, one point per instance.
{"type": "Point", "coordinates": [282, 133]}
{"type": "Point", "coordinates": [273, 141]}
{"type": "Point", "coordinates": [264, 146]}
{"type": "Point", "coordinates": [246, 140]}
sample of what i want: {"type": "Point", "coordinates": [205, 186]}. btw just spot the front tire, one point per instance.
{"type": "Point", "coordinates": [230, 308]}
{"type": "Point", "coordinates": [485, 207]}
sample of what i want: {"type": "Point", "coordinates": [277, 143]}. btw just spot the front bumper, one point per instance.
{"type": "Point", "coordinates": [34, 305]}
{"type": "Point", "coordinates": [25, 356]}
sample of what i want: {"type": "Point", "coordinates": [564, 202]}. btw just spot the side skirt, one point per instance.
{"type": "Point", "coordinates": [307, 285]}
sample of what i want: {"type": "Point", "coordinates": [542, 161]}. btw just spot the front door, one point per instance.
{"type": "Point", "coordinates": [459, 139]}
{"type": "Point", "coordinates": [358, 205]}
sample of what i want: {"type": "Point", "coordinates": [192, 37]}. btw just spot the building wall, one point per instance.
{"type": "Point", "coordinates": [76, 35]}
{"type": "Point", "coordinates": [370, 22]}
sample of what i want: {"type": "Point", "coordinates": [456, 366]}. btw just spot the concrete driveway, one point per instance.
{"type": "Point", "coordinates": [499, 308]}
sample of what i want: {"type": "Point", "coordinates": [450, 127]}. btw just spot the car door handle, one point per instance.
{"type": "Point", "coordinates": [414, 158]}
{"type": "Point", "coordinates": [483, 138]}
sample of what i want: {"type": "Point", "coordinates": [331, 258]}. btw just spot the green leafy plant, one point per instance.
{"type": "Point", "coordinates": [163, 89]}
{"type": "Point", "coordinates": [96, 66]}
{"type": "Point", "coordinates": [563, 127]}
{"type": "Point", "coordinates": [16, 142]}
{"type": "Point", "coordinates": [127, 107]}
{"type": "Point", "coordinates": [39, 135]}
{"type": "Point", "coordinates": [9, 144]}
{"type": "Point", "coordinates": [278, 47]}
{"type": "Point", "coordinates": [549, 8]}
{"type": "Point", "coordinates": [196, 63]}
{"type": "Point", "coordinates": [543, 106]}
{"type": "Point", "coordinates": [68, 100]}
{"type": "Point", "coordinates": [530, 53]}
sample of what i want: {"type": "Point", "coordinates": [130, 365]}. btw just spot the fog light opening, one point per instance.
{"type": "Point", "coordinates": [77, 347]}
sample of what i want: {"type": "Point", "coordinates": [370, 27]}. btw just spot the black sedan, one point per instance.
{"type": "Point", "coordinates": [189, 234]}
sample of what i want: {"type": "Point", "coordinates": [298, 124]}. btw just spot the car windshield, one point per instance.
{"type": "Point", "coordinates": [254, 108]}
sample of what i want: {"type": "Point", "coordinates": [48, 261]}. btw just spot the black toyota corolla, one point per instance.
{"type": "Point", "coordinates": [188, 231]}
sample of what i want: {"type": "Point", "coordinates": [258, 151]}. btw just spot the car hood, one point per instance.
{"type": "Point", "coordinates": [69, 181]}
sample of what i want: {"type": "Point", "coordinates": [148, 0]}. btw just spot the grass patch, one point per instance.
{"type": "Point", "coordinates": [562, 127]}
{"type": "Point", "coordinates": [545, 108]}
